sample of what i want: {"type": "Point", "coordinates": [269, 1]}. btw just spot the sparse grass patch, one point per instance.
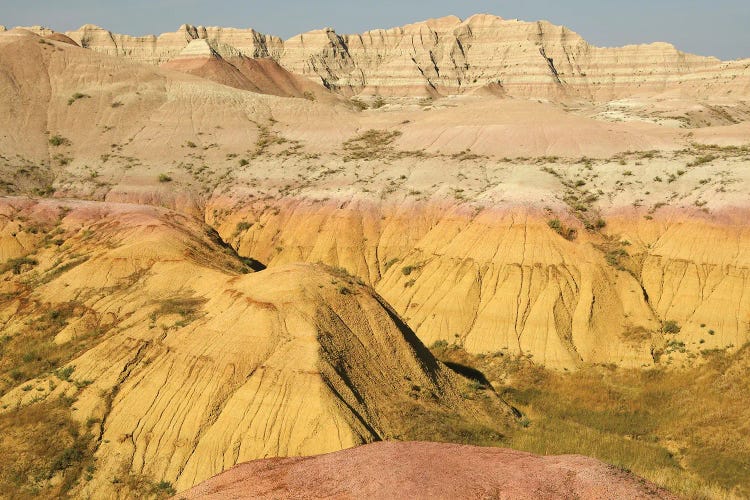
{"type": "Point", "coordinates": [683, 429]}
{"type": "Point", "coordinates": [370, 145]}
{"type": "Point", "coordinates": [58, 140]}
{"type": "Point", "coordinates": [188, 308]}
{"type": "Point", "coordinates": [702, 160]}
{"type": "Point", "coordinates": [33, 352]}
{"type": "Point", "coordinates": [18, 265]}
{"type": "Point", "coordinates": [50, 451]}
{"type": "Point", "coordinates": [407, 270]}
{"type": "Point", "coordinates": [566, 232]}
{"type": "Point", "coordinates": [671, 327]}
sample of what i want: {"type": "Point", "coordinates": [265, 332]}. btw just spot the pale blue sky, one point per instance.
{"type": "Point", "coordinates": [709, 27]}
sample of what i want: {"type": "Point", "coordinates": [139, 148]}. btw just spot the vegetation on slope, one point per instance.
{"type": "Point", "coordinates": [685, 430]}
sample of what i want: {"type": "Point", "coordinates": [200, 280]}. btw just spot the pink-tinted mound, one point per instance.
{"type": "Point", "coordinates": [426, 470]}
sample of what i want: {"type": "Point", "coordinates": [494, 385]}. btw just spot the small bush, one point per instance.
{"type": "Point", "coordinates": [671, 327]}
{"type": "Point", "coordinates": [164, 178]}
{"type": "Point", "coordinates": [407, 270]}
{"type": "Point", "coordinates": [164, 488]}
{"type": "Point", "coordinates": [65, 373]}
{"type": "Point", "coordinates": [58, 140]}
{"type": "Point", "coordinates": [439, 344]}
{"type": "Point", "coordinates": [566, 232]}
{"type": "Point", "coordinates": [702, 160]}
{"type": "Point", "coordinates": [242, 226]}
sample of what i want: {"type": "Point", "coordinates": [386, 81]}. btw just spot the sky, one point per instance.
{"type": "Point", "coordinates": [718, 28]}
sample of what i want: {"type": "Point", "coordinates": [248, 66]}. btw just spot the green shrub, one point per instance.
{"type": "Point", "coordinates": [164, 178]}
{"type": "Point", "coordinates": [439, 344]}
{"type": "Point", "coordinates": [242, 226]}
{"type": "Point", "coordinates": [407, 270]}
{"type": "Point", "coordinates": [65, 373]}
{"type": "Point", "coordinates": [672, 327]}
{"type": "Point", "coordinates": [164, 488]}
{"type": "Point", "coordinates": [58, 140]}
{"type": "Point", "coordinates": [566, 232]}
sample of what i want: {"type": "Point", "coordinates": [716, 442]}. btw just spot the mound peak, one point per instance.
{"type": "Point", "coordinates": [199, 48]}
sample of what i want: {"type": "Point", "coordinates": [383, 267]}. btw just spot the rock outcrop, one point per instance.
{"type": "Point", "coordinates": [159, 49]}
{"type": "Point", "coordinates": [427, 470]}
{"type": "Point", "coordinates": [228, 66]}
{"type": "Point", "coordinates": [453, 56]}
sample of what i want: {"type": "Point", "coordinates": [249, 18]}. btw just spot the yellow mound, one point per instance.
{"type": "Point", "coordinates": [180, 365]}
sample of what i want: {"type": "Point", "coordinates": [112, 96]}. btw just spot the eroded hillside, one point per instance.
{"type": "Point", "coordinates": [176, 361]}
{"type": "Point", "coordinates": [601, 222]}
{"type": "Point", "coordinates": [498, 224]}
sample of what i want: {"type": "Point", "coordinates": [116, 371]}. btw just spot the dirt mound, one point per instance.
{"type": "Point", "coordinates": [426, 470]}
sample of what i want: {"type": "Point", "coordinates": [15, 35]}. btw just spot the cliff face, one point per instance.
{"type": "Point", "coordinates": [450, 56]}
{"type": "Point", "coordinates": [152, 49]}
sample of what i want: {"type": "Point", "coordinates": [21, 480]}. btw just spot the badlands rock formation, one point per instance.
{"type": "Point", "coordinates": [182, 366]}
{"type": "Point", "coordinates": [550, 203]}
{"type": "Point", "coordinates": [162, 48]}
{"type": "Point", "coordinates": [202, 58]}
{"type": "Point", "coordinates": [426, 470]}
{"type": "Point", "coordinates": [450, 56]}
{"type": "Point", "coordinates": [457, 212]}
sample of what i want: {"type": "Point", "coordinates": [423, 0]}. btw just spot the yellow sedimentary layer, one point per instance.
{"type": "Point", "coordinates": [502, 279]}
{"type": "Point", "coordinates": [196, 367]}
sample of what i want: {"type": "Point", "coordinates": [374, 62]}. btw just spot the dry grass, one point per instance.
{"type": "Point", "coordinates": [49, 451]}
{"type": "Point", "coordinates": [370, 145]}
{"type": "Point", "coordinates": [686, 430]}
{"type": "Point", "coordinates": [33, 352]}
